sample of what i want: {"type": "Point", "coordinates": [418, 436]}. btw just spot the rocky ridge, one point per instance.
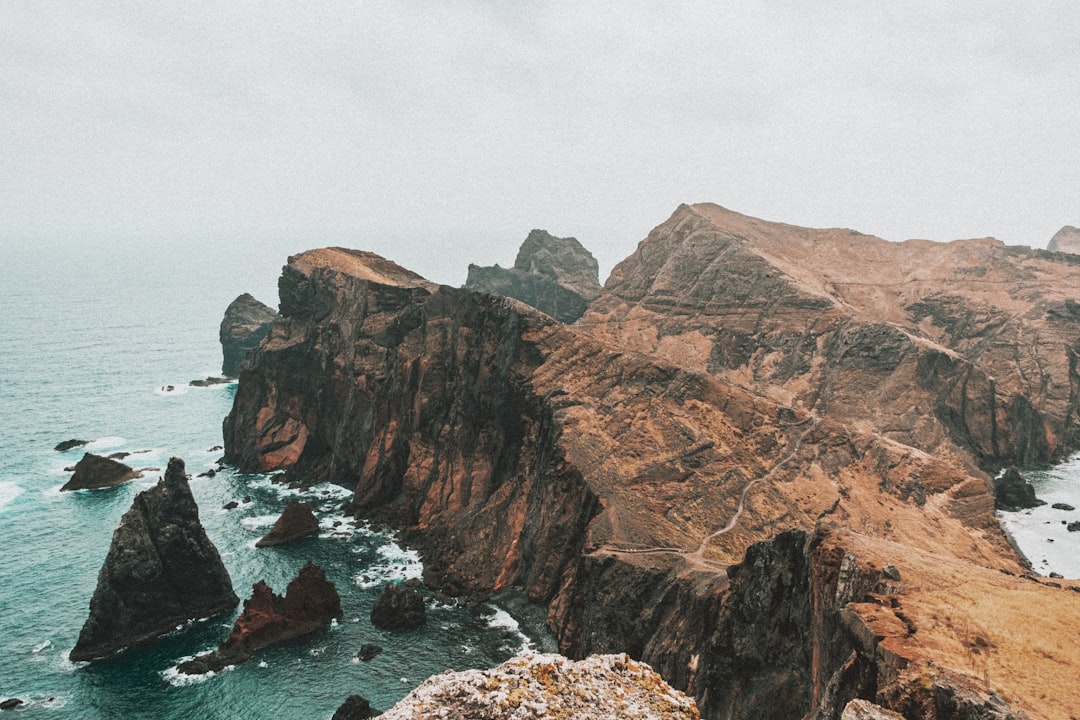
{"type": "Point", "coordinates": [638, 495]}
{"type": "Point", "coordinates": [161, 571]}
{"type": "Point", "coordinates": [554, 275]}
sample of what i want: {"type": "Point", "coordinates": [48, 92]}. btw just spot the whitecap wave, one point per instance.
{"type": "Point", "coordinates": [105, 443]}
{"type": "Point", "coordinates": [258, 522]}
{"type": "Point", "coordinates": [398, 564]}
{"type": "Point", "coordinates": [502, 620]}
{"type": "Point", "coordinates": [174, 677]}
{"type": "Point", "coordinates": [175, 389]}
{"type": "Point", "coordinates": [8, 492]}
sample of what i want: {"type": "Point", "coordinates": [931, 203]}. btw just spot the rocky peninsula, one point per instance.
{"type": "Point", "coordinates": [762, 460]}
{"type": "Point", "coordinates": [161, 571]}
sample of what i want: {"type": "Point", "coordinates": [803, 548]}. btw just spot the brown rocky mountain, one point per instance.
{"type": "Point", "coordinates": [742, 466]}
{"type": "Point", "coordinates": [554, 275]}
{"type": "Point", "coordinates": [1066, 240]}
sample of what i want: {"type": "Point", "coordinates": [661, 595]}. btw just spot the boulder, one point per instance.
{"type": "Point", "coordinates": [247, 321]}
{"type": "Point", "coordinates": [296, 521]}
{"type": "Point", "coordinates": [368, 652]}
{"type": "Point", "coordinates": [10, 704]}
{"type": "Point", "coordinates": [161, 571]}
{"type": "Point", "coordinates": [866, 710]}
{"type": "Point", "coordinates": [1012, 492]}
{"type": "Point", "coordinates": [1063, 506]}
{"type": "Point", "coordinates": [554, 275]}
{"type": "Point", "coordinates": [95, 471]}
{"type": "Point", "coordinates": [397, 608]}
{"type": "Point", "coordinates": [310, 602]}
{"type": "Point", "coordinates": [1073, 526]}
{"type": "Point", "coordinates": [1066, 240]}
{"type": "Point", "coordinates": [357, 707]}
{"type": "Point", "coordinates": [68, 444]}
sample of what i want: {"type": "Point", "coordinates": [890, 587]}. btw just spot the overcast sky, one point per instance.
{"type": "Point", "coordinates": [439, 133]}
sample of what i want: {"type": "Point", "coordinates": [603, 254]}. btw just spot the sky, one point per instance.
{"type": "Point", "coordinates": [440, 133]}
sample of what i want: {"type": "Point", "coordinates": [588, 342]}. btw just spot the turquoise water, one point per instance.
{"type": "Point", "coordinates": [89, 339]}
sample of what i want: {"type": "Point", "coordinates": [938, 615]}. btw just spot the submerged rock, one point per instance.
{"type": "Point", "coordinates": [310, 602]}
{"type": "Point", "coordinates": [1012, 492]}
{"type": "Point", "coordinates": [547, 686]}
{"type": "Point", "coordinates": [296, 521]}
{"type": "Point", "coordinates": [246, 323]}
{"type": "Point", "coordinates": [94, 472]}
{"type": "Point", "coordinates": [554, 275]}
{"type": "Point", "coordinates": [357, 707]}
{"type": "Point", "coordinates": [161, 571]}
{"type": "Point", "coordinates": [398, 607]}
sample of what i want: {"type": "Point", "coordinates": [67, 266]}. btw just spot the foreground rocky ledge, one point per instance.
{"type": "Point", "coordinates": [548, 686]}
{"type": "Point", "coordinates": [778, 521]}
{"type": "Point", "coordinates": [161, 571]}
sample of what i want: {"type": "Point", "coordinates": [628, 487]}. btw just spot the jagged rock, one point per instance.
{"type": "Point", "coordinates": [356, 707]}
{"type": "Point", "coordinates": [866, 710]}
{"type": "Point", "coordinates": [891, 572]}
{"type": "Point", "coordinates": [310, 602]}
{"type": "Point", "coordinates": [1012, 492]}
{"type": "Point", "coordinates": [208, 382]}
{"type": "Point", "coordinates": [231, 505]}
{"type": "Point", "coordinates": [548, 686]}
{"type": "Point", "coordinates": [1066, 240]}
{"type": "Point", "coordinates": [246, 323]}
{"type": "Point", "coordinates": [94, 472]}
{"type": "Point", "coordinates": [161, 571]}
{"type": "Point", "coordinates": [1063, 506]}
{"type": "Point", "coordinates": [296, 521]}
{"type": "Point", "coordinates": [555, 275]}
{"type": "Point", "coordinates": [69, 444]}
{"type": "Point", "coordinates": [10, 703]}
{"type": "Point", "coordinates": [398, 607]}
{"type": "Point", "coordinates": [117, 455]}
{"type": "Point", "coordinates": [368, 652]}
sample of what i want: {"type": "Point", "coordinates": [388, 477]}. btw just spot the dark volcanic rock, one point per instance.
{"type": "Point", "coordinates": [1073, 526]}
{"type": "Point", "coordinates": [95, 471]}
{"type": "Point", "coordinates": [68, 444]}
{"type": "Point", "coordinates": [246, 323]}
{"type": "Point", "coordinates": [554, 275]}
{"type": "Point", "coordinates": [368, 652]}
{"type": "Point", "coordinates": [357, 707]}
{"type": "Point", "coordinates": [310, 602]}
{"type": "Point", "coordinates": [1063, 506]}
{"type": "Point", "coordinates": [10, 704]}
{"type": "Point", "coordinates": [1012, 492]}
{"type": "Point", "coordinates": [296, 521]}
{"type": "Point", "coordinates": [161, 571]}
{"type": "Point", "coordinates": [398, 607]}
{"type": "Point", "coordinates": [208, 382]}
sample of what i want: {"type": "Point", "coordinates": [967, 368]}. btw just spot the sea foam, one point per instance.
{"type": "Point", "coordinates": [8, 492]}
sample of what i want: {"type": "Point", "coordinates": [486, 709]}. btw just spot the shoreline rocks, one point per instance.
{"type": "Point", "coordinates": [296, 521]}
{"type": "Point", "coordinates": [161, 571]}
{"type": "Point", "coordinates": [94, 472]}
{"type": "Point", "coordinates": [69, 444]}
{"type": "Point", "coordinates": [398, 608]}
{"type": "Point", "coordinates": [1012, 492]}
{"type": "Point", "coordinates": [310, 602]}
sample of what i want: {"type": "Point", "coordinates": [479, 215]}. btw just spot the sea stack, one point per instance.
{"type": "Point", "coordinates": [246, 323]}
{"type": "Point", "coordinates": [95, 471]}
{"type": "Point", "coordinates": [161, 571]}
{"type": "Point", "coordinates": [296, 521]}
{"type": "Point", "coordinates": [557, 276]}
{"type": "Point", "coordinates": [310, 602]}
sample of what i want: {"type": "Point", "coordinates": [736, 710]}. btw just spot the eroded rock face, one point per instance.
{"type": "Point", "coordinates": [1066, 240]}
{"type": "Point", "coordinates": [95, 471]}
{"type": "Point", "coordinates": [245, 324]}
{"type": "Point", "coordinates": [1012, 492]}
{"type": "Point", "coordinates": [548, 686]}
{"type": "Point", "coordinates": [398, 607]}
{"type": "Point", "coordinates": [554, 275]}
{"type": "Point", "coordinates": [161, 571]}
{"type": "Point", "coordinates": [296, 521]}
{"type": "Point", "coordinates": [310, 602]}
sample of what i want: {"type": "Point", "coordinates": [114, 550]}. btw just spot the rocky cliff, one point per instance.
{"type": "Point", "coordinates": [161, 571]}
{"type": "Point", "coordinates": [243, 327]}
{"type": "Point", "coordinates": [555, 275]}
{"type": "Point", "coordinates": [618, 477]}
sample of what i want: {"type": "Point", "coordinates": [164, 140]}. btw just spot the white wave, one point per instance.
{"type": "Point", "coordinates": [8, 492]}
{"type": "Point", "coordinates": [257, 522]}
{"type": "Point", "coordinates": [398, 564]}
{"type": "Point", "coordinates": [105, 443]}
{"type": "Point", "coordinates": [502, 620]}
{"type": "Point", "coordinates": [174, 677]}
{"type": "Point", "coordinates": [41, 646]}
{"type": "Point", "coordinates": [64, 662]}
{"type": "Point", "coordinates": [174, 389]}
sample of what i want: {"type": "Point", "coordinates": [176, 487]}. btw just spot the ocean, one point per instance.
{"type": "Point", "coordinates": [90, 341]}
{"type": "Point", "coordinates": [91, 338]}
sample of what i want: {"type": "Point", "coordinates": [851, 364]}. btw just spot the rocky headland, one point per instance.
{"type": "Point", "coordinates": [761, 461]}
{"type": "Point", "coordinates": [94, 472]}
{"type": "Point", "coordinates": [311, 601]}
{"type": "Point", "coordinates": [555, 275]}
{"type": "Point", "coordinates": [161, 571]}
{"type": "Point", "coordinates": [245, 324]}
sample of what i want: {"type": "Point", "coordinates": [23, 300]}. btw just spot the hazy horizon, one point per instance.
{"type": "Point", "coordinates": [440, 135]}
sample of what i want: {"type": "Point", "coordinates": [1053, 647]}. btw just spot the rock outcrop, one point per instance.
{"type": "Point", "coordinates": [161, 571]}
{"type": "Point", "coordinates": [554, 275]}
{"type": "Point", "coordinates": [296, 521]}
{"type": "Point", "coordinates": [311, 601]}
{"type": "Point", "coordinates": [548, 686]}
{"type": "Point", "coordinates": [69, 444]}
{"type": "Point", "coordinates": [1012, 492]}
{"type": "Point", "coordinates": [245, 324]}
{"type": "Point", "coordinates": [397, 608]}
{"type": "Point", "coordinates": [94, 472]}
{"type": "Point", "coordinates": [355, 707]}
{"type": "Point", "coordinates": [612, 473]}
{"type": "Point", "coordinates": [1066, 240]}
